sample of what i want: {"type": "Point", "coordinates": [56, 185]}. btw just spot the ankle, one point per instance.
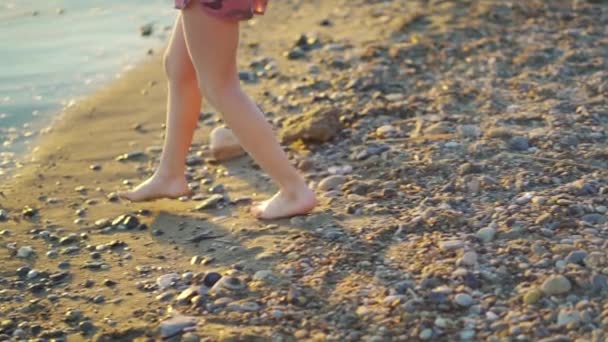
{"type": "Point", "coordinates": [168, 174]}
{"type": "Point", "coordinates": [296, 190]}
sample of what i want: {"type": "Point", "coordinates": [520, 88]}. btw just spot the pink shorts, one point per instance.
{"type": "Point", "coordinates": [229, 9]}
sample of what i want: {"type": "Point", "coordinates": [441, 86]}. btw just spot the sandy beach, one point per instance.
{"type": "Point", "coordinates": [458, 149]}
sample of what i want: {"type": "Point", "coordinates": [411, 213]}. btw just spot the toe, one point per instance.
{"type": "Point", "coordinates": [125, 195]}
{"type": "Point", "coordinates": [256, 210]}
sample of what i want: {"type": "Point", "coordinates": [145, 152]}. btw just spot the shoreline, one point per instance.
{"type": "Point", "coordinates": [43, 80]}
{"type": "Point", "coordinates": [60, 124]}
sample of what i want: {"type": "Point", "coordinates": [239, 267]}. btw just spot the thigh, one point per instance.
{"type": "Point", "coordinates": [212, 43]}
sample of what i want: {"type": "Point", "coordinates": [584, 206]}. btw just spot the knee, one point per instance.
{"type": "Point", "coordinates": [218, 91]}
{"type": "Point", "coordinates": [178, 69]}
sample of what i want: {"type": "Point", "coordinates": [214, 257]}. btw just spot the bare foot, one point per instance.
{"type": "Point", "coordinates": [282, 205]}
{"type": "Point", "coordinates": [157, 187]}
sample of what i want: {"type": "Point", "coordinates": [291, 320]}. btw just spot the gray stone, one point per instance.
{"type": "Point", "coordinates": [450, 245]}
{"type": "Point", "coordinates": [426, 334]}
{"type": "Point", "coordinates": [469, 258]}
{"type": "Point", "coordinates": [70, 250]}
{"type": "Point", "coordinates": [166, 280]}
{"type": "Point", "coordinates": [519, 144]}
{"type": "Point", "coordinates": [32, 274]}
{"type": "Point", "coordinates": [594, 218]}
{"type": "Point", "coordinates": [3, 215]}
{"type": "Point", "coordinates": [556, 284]}
{"type": "Point", "coordinates": [599, 282]}
{"type": "Point", "coordinates": [86, 326]}
{"type": "Point", "coordinates": [73, 316]}
{"type": "Point", "coordinates": [463, 299]}
{"type": "Point", "coordinates": [469, 131]}
{"type": "Point", "coordinates": [576, 257]}
{"type": "Point", "coordinates": [19, 333]}
{"type": "Point", "coordinates": [66, 240]}
{"type": "Point", "coordinates": [99, 299]}
{"type": "Point", "coordinates": [265, 276]}
{"type": "Point", "coordinates": [25, 252]}
{"type": "Point", "coordinates": [567, 316]}
{"type": "Point", "coordinates": [244, 307]}
{"type": "Point", "coordinates": [331, 182]}
{"type": "Point", "coordinates": [187, 277]}
{"type": "Point", "coordinates": [486, 234]}
{"type": "Point", "coordinates": [228, 283]}
{"type": "Point", "coordinates": [176, 325]}
{"type": "Point", "coordinates": [466, 334]}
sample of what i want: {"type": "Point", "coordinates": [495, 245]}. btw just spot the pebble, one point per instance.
{"type": "Point", "coordinates": [469, 258]}
{"type": "Point", "coordinates": [167, 280]}
{"type": "Point", "coordinates": [196, 260]}
{"type": "Point", "coordinates": [189, 292]}
{"type": "Point", "coordinates": [450, 245]}
{"type": "Point", "coordinates": [224, 145]}
{"type": "Point", "coordinates": [519, 143]}
{"type": "Point", "coordinates": [331, 182]}
{"type": "Point", "coordinates": [23, 271]}
{"type": "Point", "coordinates": [576, 257]}
{"type": "Point", "coordinates": [594, 219]}
{"type": "Point", "coordinates": [532, 296]}
{"type": "Point", "coordinates": [426, 334]}
{"type": "Point", "coordinates": [265, 276]}
{"type": "Point", "coordinates": [463, 299]}
{"type": "Point", "coordinates": [244, 307]}
{"type": "Point", "coordinates": [19, 333]}
{"type": "Point", "coordinates": [66, 240]}
{"type": "Point", "coordinates": [99, 299]}
{"type": "Point", "coordinates": [486, 234]}
{"type": "Point", "coordinates": [555, 285]}
{"type": "Point", "coordinates": [176, 325]}
{"type": "Point", "coordinates": [32, 274]}
{"type": "Point", "coordinates": [469, 131]}
{"type": "Point", "coordinates": [73, 316]}
{"type": "Point", "coordinates": [567, 316]}
{"type": "Point", "coordinates": [187, 277]}
{"type": "Point", "coordinates": [190, 337]}
{"type": "Point", "coordinates": [25, 252]}
{"type": "Point", "coordinates": [87, 327]}
{"type": "Point", "coordinates": [146, 30]}
{"type": "Point", "coordinates": [386, 131]}
{"type": "Point", "coordinates": [228, 283]}
{"type": "Point", "coordinates": [211, 278]}
{"type": "Point", "coordinates": [70, 250]}
{"type": "Point", "coordinates": [165, 296]}
{"type": "Point", "coordinates": [466, 334]}
{"type": "Point", "coordinates": [211, 202]}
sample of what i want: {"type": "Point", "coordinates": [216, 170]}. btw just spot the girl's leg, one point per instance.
{"type": "Point", "coordinates": [183, 107]}
{"type": "Point", "coordinates": [212, 44]}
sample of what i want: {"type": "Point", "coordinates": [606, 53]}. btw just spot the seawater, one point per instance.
{"type": "Point", "coordinates": [53, 52]}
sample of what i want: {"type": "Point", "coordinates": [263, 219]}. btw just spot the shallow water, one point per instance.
{"type": "Point", "coordinates": [52, 52]}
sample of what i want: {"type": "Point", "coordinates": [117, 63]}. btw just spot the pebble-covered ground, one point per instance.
{"type": "Point", "coordinates": [459, 150]}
